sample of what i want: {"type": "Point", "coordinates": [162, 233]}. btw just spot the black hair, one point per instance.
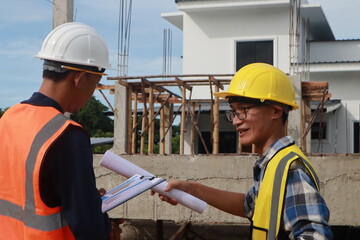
{"type": "Point", "coordinates": [55, 76]}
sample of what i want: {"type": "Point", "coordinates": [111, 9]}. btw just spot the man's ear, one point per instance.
{"type": "Point", "coordinates": [78, 78]}
{"type": "Point", "coordinates": [277, 111]}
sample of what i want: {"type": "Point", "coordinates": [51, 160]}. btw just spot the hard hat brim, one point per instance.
{"type": "Point", "coordinates": [231, 94]}
{"type": "Point", "coordinates": [226, 94]}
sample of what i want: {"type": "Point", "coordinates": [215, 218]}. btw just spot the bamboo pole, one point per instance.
{"type": "Point", "coordinates": [195, 124]}
{"type": "Point", "coordinates": [192, 131]}
{"type": "Point", "coordinates": [129, 121]}
{"type": "Point", "coordinates": [151, 123]}
{"type": "Point", "coordinates": [239, 144]}
{"type": "Point", "coordinates": [134, 125]}
{"type": "Point", "coordinates": [182, 122]}
{"type": "Point", "coordinates": [107, 101]}
{"type": "Point", "coordinates": [303, 125]}
{"type": "Point", "coordinates": [155, 115]}
{"type": "Point", "coordinates": [172, 118]}
{"type": "Point", "coordinates": [216, 123]}
{"type": "Point", "coordinates": [143, 123]}
{"type": "Point", "coordinates": [162, 131]}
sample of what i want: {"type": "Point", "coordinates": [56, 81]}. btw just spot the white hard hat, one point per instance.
{"type": "Point", "coordinates": [75, 43]}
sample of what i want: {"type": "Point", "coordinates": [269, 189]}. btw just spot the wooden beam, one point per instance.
{"type": "Point", "coordinates": [151, 123]}
{"type": "Point", "coordinates": [104, 87]}
{"type": "Point", "coordinates": [180, 231]}
{"type": "Point", "coordinates": [192, 131]}
{"type": "Point", "coordinates": [134, 126]}
{"type": "Point", "coordinates": [107, 101]}
{"type": "Point", "coordinates": [216, 82]}
{"type": "Point", "coordinates": [215, 149]}
{"type": "Point", "coordinates": [129, 121]}
{"type": "Point", "coordinates": [168, 76]}
{"type": "Point", "coordinates": [182, 122]}
{"type": "Point", "coordinates": [143, 124]}
{"type": "Point", "coordinates": [183, 84]}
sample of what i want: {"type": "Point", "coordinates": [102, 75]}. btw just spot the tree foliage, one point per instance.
{"type": "Point", "coordinates": [93, 119]}
{"type": "Point", "coordinates": [96, 123]}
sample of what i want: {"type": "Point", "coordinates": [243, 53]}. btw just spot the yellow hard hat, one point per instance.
{"type": "Point", "coordinates": [261, 81]}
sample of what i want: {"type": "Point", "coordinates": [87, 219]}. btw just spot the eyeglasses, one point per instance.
{"type": "Point", "coordinates": [240, 113]}
{"type": "Point", "coordinates": [83, 70]}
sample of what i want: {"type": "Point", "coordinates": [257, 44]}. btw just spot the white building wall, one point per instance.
{"type": "Point", "coordinates": [335, 51]}
{"type": "Point", "coordinates": [344, 86]}
{"type": "Point", "coordinates": [210, 37]}
{"type": "Point", "coordinates": [209, 42]}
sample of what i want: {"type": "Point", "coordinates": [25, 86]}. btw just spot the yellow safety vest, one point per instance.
{"type": "Point", "coordinates": [269, 202]}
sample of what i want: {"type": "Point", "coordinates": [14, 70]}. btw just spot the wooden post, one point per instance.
{"type": "Point", "coordinates": [215, 111]}
{"type": "Point", "coordinates": [168, 112]}
{"type": "Point", "coordinates": [134, 125]}
{"type": "Point", "coordinates": [182, 122]}
{"type": "Point", "coordinates": [162, 131]}
{"type": "Point", "coordinates": [239, 144]}
{"type": "Point", "coordinates": [130, 119]}
{"type": "Point", "coordinates": [192, 133]}
{"type": "Point", "coordinates": [143, 122]}
{"type": "Point", "coordinates": [150, 122]}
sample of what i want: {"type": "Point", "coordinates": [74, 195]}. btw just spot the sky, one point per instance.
{"type": "Point", "coordinates": [25, 23]}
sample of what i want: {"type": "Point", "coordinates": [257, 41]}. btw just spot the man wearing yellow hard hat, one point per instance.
{"type": "Point", "coordinates": [284, 202]}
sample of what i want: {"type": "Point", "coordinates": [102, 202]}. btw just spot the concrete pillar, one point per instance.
{"type": "Point", "coordinates": [294, 122]}
{"type": "Point", "coordinates": [63, 12]}
{"type": "Point", "coordinates": [121, 119]}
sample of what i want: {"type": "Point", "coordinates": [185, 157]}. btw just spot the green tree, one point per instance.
{"type": "Point", "coordinates": [93, 119]}
{"type": "Point", "coordinates": [96, 123]}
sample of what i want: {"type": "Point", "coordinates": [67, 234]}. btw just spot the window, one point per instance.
{"type": "Point", "coordinates": [254, 51]}
{"type": "Point", "coordinates": [318, 131]}
{"type": "Point", "coordinates": [356, 137]}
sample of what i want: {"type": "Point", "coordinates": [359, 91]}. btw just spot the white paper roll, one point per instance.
{"type": "Point", "coordinates": [127, 169]}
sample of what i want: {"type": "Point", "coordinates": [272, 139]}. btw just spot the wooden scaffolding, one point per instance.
{"type": "Point", "coordinates": [166, 97]}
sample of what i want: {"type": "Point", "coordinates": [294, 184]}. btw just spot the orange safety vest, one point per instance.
{"type": "Point", "coordinates": [27, 132]}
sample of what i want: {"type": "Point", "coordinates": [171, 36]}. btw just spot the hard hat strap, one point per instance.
{"type": "Point", "coordinates": [61, 67]}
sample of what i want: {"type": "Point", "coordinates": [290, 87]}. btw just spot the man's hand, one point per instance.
{"type": "Point", "coordinates": [115, 223]}
{"type": "Point", "coordinates": [181, 185]}
{"type": "Point", "coordinates": [102, 192]}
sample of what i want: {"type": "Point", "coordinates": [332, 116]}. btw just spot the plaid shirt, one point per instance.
{"type": "Point", "coordinates": [305, 214]}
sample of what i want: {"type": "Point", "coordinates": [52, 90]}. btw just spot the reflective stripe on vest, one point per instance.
{"type": "Point", "coordinates": [278, 188]}
{"type": "Point", "coordinates": [28, 215]}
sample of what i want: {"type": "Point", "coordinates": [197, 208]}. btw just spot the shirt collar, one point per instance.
{"type": "Point", "coordinates": [273, 149]}
{"type": "Point", "coordinates": [39, 99]}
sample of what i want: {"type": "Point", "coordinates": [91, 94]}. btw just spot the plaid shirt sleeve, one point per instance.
{"type": "Point", "coordinates": [306, 215]}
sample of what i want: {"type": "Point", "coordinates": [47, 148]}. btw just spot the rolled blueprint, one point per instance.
{"type": "Point", "coordinates": [127, 169]}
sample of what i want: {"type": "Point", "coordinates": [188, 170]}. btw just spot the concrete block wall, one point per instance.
{"type": "Point", "coordinates": [339, 177]}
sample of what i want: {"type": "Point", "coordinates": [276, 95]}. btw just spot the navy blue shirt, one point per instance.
{"type": "Point", "coordinates": [67, 179]}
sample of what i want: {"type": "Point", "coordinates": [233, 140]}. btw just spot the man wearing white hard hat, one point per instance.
{"type": "Point", "coordinates": [47, 181]}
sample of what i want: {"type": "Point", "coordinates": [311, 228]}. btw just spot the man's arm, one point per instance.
{"type": "Point", "coordinates": [67, 179]}
{"type": "Point", "coordinates": [306, 215]}
{"type": "Point", "coordinates": [230, 202]}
